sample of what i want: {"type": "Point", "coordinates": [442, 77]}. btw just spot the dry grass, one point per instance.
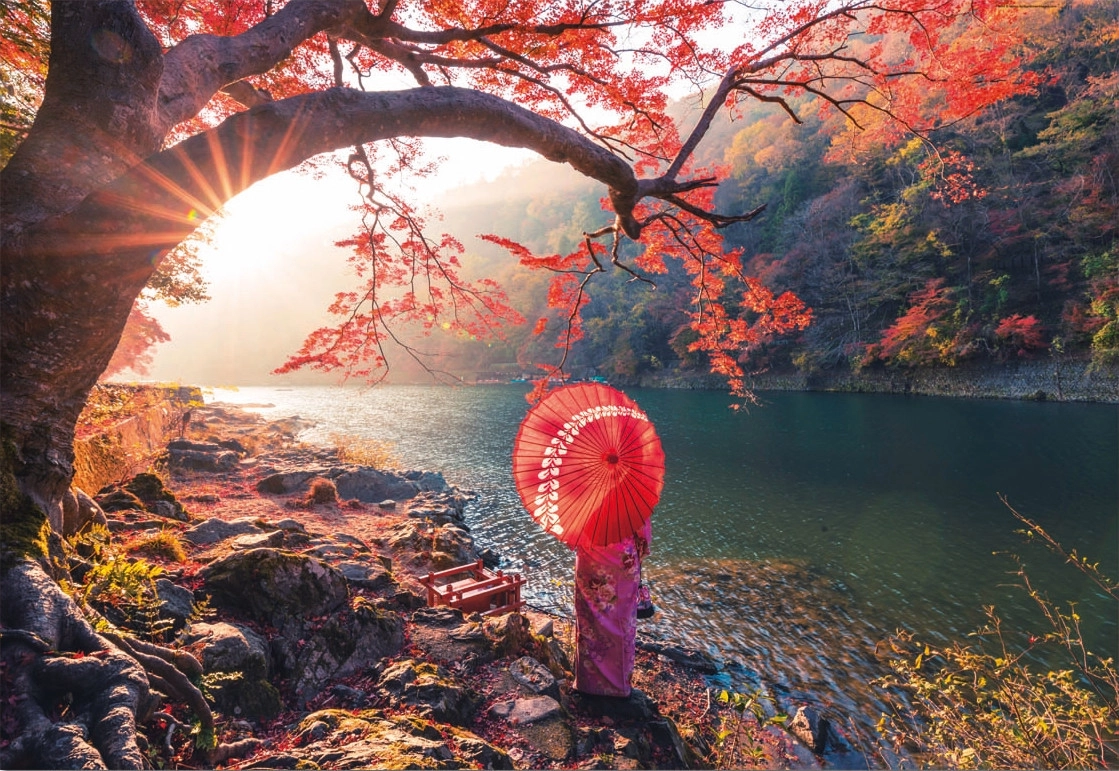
{"type": "Point", "coordinates": [364, 452]}
{"type": "Point", "coordinates": [164, 545]}
{"type": "Point", "coordinates": [322, 491]}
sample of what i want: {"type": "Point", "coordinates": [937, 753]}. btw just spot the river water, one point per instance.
{"type": "Point", "coordinates": [794, 536]}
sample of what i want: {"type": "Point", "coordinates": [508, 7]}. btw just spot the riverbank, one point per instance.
{"type": "Point", "coordinates": [294, 581]}
{"type": "Point", "coordinates": [1043, 379]}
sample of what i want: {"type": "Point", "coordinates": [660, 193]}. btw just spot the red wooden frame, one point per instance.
{"type": "Point", "coordinates": [477, 590]}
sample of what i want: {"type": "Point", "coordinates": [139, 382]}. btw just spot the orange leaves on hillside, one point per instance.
{"type": "Point", "coordinates": [1022, 334]}
{"type": "Point", "coordinates": [927, 65]}
{"type": "Point", "coordinates": [916, 338]}
{"type": "Point", "coordinates": [952, 173]}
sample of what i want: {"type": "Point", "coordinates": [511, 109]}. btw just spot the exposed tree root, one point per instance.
{"type": "Point", "coordinates": [158, 662]}
{"type": "Point", "coordinates": [76, 703]}
{"type": "Point", "coordinates": [78, 695]}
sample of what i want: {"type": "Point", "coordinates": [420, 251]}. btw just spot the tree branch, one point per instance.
{"type": "Point", "coordinates": [200, 66]}
{"type": "Point", "coordinates": [158, 203]}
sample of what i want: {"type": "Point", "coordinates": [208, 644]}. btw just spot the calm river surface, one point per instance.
{"type": "Point", "coordinates": [794, 536]}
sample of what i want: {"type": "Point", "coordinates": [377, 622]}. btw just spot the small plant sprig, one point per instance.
{"type": "Point", "coordinates": [736, 740]}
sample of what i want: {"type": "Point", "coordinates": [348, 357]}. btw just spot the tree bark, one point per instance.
{"type": "Point", "coordinates": [110, 689]}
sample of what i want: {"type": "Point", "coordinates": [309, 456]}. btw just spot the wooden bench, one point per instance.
{"type": "Point", "coordinates": [474, 589]}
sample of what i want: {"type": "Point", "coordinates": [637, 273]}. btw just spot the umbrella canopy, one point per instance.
{"type": "Point", "coordinates": [588, 465]}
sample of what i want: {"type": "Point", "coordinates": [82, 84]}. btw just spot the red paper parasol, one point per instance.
{"type": "Point", "coordinates": [588, 465]}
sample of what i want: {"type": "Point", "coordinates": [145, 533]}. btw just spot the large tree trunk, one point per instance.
{"type": "Point", "coordinates": [62, 319]}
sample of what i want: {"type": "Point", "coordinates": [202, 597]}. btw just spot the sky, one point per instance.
{"type": "Point", "coordinates": [273, 269]}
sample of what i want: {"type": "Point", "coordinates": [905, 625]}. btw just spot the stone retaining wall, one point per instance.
{"type": "Point", "coordinates": [1074, 381]}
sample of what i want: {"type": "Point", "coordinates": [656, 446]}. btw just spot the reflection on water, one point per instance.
{"type": "Point", "coordinates": [881, 511]}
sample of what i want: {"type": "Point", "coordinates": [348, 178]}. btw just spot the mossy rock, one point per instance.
{"type": "Point", "coordinates": [150, 489]}
{"type": "Point", "coordinates": [340, 720]}
{"type": "Point", "coordinates": [235, 694]}
{"type": "Point", "coordinates": [24, 527]}
{"type": "Point", "coordinates": [430, 689]}
{"type": "Point", "coordinates": [112, 499]}
{"type": "Point", "coordinates": [394, 742]}
{"type": "Point", "coordinates": [274, 586]}
{"type": "Point", "coordinates": [346, 643]}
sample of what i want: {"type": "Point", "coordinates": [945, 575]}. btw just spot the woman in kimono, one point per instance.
{"type": "Point", "coordinates": [607, 588]}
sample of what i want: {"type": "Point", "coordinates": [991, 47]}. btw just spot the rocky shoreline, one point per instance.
{"type": "Point", "coordinates": [297, 594]}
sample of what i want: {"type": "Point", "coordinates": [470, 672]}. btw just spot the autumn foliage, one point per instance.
{"type": "Point", "coordinates": [1021, 334]}
{"type": "Point", "coordinates": [136, 347]}
{"type": "Point", "coordinates": [903, 68]}
{"type": "Point", "coordinates": [876, 72]}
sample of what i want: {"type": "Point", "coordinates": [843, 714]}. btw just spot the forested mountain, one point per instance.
{"type": "Point", "coordinates": [994, 241]}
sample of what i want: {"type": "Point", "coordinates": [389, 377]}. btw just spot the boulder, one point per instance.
{"type": "Point", "coordinates": [167, 510]}
{"type": "Point", "coordinates": [346, 641]}
{"type": "Point", "coordinates": [816, 731]}
{"type": "Point", "coordinates": [370, 485]}
{"type": "Point", "coordinates": [540, 720]}
{"type": "Point", "coordinates": [426, 481]}
{"type": "Point", "coordinates": [526, 710]}
{"type": "Point", "coordinates": [534, 677]}
{"type": "Point", "coordinates": [293, 525]}
{"type": "Point", "coordinates": [429, 689]}
{"type": "Point", "coordinates": [365, 574]}
{"type": "Point", "coordinates": [234, 445]}
{"type": "Point", "coordinates": [352, 540]}
{"type": "Point", "coordinates": [442, 616]}
{"type": "Point", "coordinates": [277, 587]}
{"type": "Point", "coordinates": [230, 648]}
{"type": "Point", "coordinates": [428, 548]}
{"type": "Point", "coordinates": [807, 725]}
{"type": "Point", "coordinates": [79, 511]}
{"type": "Point", "coordinates": [214, 530]}
{"type": "Point", "coordinates": [236, 694]}
{"type": "Point", "coordinates": [143, 492]}
{"type": "Point", "coordinates": [201, 456]}
{"type": "Point", "coordinates": [112, 498]}
{"type": "Point", "coordinates": [666, 738]}
{"type": "Point", "coordinates": [287, 482]}
{"type": "Point", "coordinates": [237, 667]}
{"type": "Point", "coordinates": [176, 603]}
{"type": "Point", "coordinates": [259, 540]}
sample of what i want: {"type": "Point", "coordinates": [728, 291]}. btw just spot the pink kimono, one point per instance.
{"type": "Point", "coordinates": [606, 590]}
